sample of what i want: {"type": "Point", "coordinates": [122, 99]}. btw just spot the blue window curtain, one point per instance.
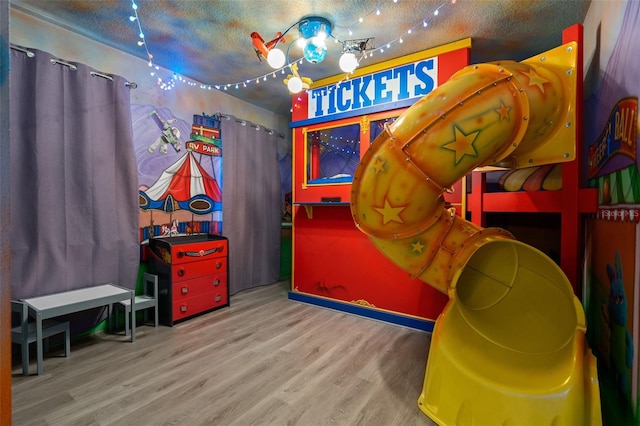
{"type": "Point", "coordinates": [74, 212]}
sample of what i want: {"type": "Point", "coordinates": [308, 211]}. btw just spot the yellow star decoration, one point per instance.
{"type": "Point", "coordinates": [417, 247]}
{"type": "Point", "coordinates": [462, 144]}
{"type": "Point", "coordinates": [389, 213]}
{"type": "Point", "coordinates": [536, 80]}
{"type": "Point", "coordinates": [503, 112]}
{"type": "Point", "coordinates": [378, 166]}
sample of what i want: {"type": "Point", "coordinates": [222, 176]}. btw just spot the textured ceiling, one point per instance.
{"type": "Point", "coordinates": [209, 41]}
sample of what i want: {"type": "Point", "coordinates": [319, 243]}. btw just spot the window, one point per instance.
{"type": "Point", "coordinates": [332, 154]}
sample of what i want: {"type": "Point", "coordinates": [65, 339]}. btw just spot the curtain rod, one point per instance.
{"type": "Point", "coordinates": [27, 52]}
{"type": "Point", "coordinates": [255, 126]}
{"type": "Point", "coordinates": [30, 54]}
{"type": "Point", "coordinates": [129, 84]}
{"type": "Point", "coordinates": [99, 74]}
{"type": "Point", "coordinates": [66, 64]}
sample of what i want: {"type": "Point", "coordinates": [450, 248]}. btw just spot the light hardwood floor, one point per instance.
{"type": "Point", "coordinates": [265, 360]}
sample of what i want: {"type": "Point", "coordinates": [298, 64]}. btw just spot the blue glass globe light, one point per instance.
{"type": "Point", "coordinates": [315, 30]}
{"type": "Point", "coordinates": [315, 50]}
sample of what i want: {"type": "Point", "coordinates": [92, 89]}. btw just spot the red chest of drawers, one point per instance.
{"type": "Point", "coordinates": [192, 275]}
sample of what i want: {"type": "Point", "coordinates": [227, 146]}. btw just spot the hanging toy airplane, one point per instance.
{"type": "Point", "coordinates": [262, 49]}
{"type": "Point", "coordinates": [306, 81]}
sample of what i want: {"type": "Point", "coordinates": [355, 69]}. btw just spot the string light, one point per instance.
{"type": "Point", "coordinates": [170, 83]}
{"type": "Point", "coordinates": [164, 85]}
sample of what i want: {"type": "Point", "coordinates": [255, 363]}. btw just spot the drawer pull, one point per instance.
{"type": "Point", "coordinates": [218, 265]}
{"type": "Point", "coordinates": [201, 253]}
{"type": "Point", "coordinates": [216, 282]}
{"type": "Point", "coordinates": [184, 290]}
{"type": "Point", "coordinates": [180, 272]}
{"type": "Point", "coordinates": [183, 308]}
{"type": "Point", "coordinates": [218, 298]}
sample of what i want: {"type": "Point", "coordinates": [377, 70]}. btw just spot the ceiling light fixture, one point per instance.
{"type": "Point", "coordinates": [313, 30]}
{"type": "Point", "coordinates": [313, 33]}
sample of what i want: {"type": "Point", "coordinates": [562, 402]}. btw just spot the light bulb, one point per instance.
{"type": "Point", "coordinates": [294, 84]}
{"type": "Point", "coordinates": [348, 62]}
{"type": "Point", "coordinates": [276, 58]}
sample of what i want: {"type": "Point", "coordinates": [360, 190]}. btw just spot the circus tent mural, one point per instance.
{"type": "Point", "coordinates": [184, 185]}
{"type": "Point", "coordinates": [180, 191]}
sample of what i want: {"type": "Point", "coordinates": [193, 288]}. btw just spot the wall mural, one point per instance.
{"type": "Point", "coordinates": [179, 172]}
{"type": "Point", "coordinates": [613, 233]}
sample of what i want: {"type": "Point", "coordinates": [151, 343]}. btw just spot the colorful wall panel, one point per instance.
{"type": "Point", "coordinates": [612, 287]}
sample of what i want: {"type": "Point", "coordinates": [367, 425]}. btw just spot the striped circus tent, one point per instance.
{"type": "Point", "coordinates": [184, 185]}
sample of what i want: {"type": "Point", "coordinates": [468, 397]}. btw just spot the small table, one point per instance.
{"type": "Point", "coordinates": [67, 302]}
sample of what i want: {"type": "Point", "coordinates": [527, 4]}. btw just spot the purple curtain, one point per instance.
{"type": "Point", "coordinates": [251, 203]}
{"type": "Point", "coordinates": [74, 212]}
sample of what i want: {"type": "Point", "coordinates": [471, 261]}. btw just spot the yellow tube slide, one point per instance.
{"type": "Point", "coordinates": [509, 347]}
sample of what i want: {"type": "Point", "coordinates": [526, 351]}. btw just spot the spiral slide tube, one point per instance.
{"type": "Point", "coordinates": [509, 347]}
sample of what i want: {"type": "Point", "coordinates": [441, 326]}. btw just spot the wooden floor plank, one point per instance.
{"type": "Point", "coordinates": [264, 360]}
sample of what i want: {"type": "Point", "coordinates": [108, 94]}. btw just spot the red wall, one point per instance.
{"type": "Point", "coordinates": [334, 259]}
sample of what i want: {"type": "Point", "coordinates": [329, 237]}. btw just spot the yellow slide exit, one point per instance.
{"type": "Point", "coordinates": [509, 347]}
